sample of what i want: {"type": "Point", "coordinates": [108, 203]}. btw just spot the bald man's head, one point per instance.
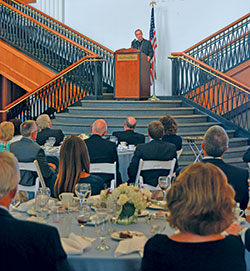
{"type": "Point", "coordinates": [130, 123]}
{"type": "Point", "coordinates": [99, 127]}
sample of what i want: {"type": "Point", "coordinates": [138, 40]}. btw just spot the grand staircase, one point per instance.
{"type": "Point", "coordinates": [191, 122]}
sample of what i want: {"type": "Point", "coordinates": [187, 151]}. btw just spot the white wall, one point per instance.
{"type": "Point", "coordinates": [179, 23]}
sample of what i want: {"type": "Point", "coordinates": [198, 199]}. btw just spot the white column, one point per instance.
{"type": "Point", "coordinates": [54, 8]}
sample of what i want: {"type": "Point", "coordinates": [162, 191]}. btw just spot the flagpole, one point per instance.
{"type": "Point", "coordinates": [154, 97]}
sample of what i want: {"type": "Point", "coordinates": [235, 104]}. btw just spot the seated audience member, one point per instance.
{"type": "Point", "coordinates": [17, 134]}
{"type": "Point", "coordinates": [156, 149]}
{"type": "Point", "coordinates": [215, 143]}
{"type": "Point", "coordinates": [25, 245]}
{"type": "Point", "coordinates": [44, 124]}
{"type": "Point", "coordinates": [129, 135]}
{"type": "Point", "coordinates": [170, 130]}
{"type": "Point", "coordinates": [102, 150]}
{"type": "Point", "coordinates": [74, 167]}
{"type": "Point", "coordinates": [6, 133]}
{"type": "Point", "coordinates": [26, 150]}
{"type": "Point", "coordinates": [246, 156]}
{"type": "Point", "coordinates": [200, 204]}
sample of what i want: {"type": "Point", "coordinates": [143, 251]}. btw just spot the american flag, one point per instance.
{"type": "Point", "coordinates": [152, 38]}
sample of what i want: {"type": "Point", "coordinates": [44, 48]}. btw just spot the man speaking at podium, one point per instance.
{"type": "Point", "coordinates": [143, 45]}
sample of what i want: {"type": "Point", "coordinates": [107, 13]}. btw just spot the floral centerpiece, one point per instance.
{"type": "Point", "coordinates": [130, 199]}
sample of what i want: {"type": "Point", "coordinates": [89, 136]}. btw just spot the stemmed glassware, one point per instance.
{"type": "Point", "coordinates": [164, 183]}
{"type": "Point", "coordinates": [101, 227]}
{"type": "Point", "coordinates": [83, 191]}
{"type": "Point", "coordinates": [41, 200]}
{"type": "Point", "coordinates": [83, 217]}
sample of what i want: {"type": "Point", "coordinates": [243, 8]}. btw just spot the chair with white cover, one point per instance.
{"type": "Point", "coordinates": [29, 166]}
{"type": "Point", "coordinates": [153, 164]}
{"type": "Point", "coordinates": [109, 168]}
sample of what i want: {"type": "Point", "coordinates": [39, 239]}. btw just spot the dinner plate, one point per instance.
{"type": "Point", "coordinates": [160, 205]}
{"type": "Point", "coordinates": [116, 235]}
{"type": "Point", "coordinates": [143, 213]}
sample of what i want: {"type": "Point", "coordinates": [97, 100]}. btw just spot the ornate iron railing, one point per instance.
{"type": "Point", "coordinates": [64, 89]}
{"type": "Point", "coordinates": [108, 55]}
{"type": "Point", "coordinates": [210, 88]}
{"type": "Point", "coordinates": [226, 48]}
{"type": "Point", "coordinates": [38, 40]}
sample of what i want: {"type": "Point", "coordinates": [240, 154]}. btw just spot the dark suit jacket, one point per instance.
{"type": "Point", "coordinates": [237, 177]}
{"type": "Point", "coordinates": [246, 156]}
{"type": "Point", "coordinates": [103, 151]}
{"type": "Point", "coordinates": [154, 150]}
{"type": "Point", "coordinates": [174, 139]}
{"type": "Point", "coordinates": [26, 150]}
{"type": "Point", "coordinates": [30, 246]}
{"type": "Point", "coordinates": [43, 135]}
{"type": "Point", "coordinates": [130, 137]}
{"type": "Point", "coordinates": [144, 46]}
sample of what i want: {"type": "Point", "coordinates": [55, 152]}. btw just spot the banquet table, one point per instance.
{"type": "Point", "coordinates": [93, 259]}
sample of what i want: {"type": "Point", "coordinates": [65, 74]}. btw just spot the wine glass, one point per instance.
{"type": "Point", "coordinates": [157, 223]}
{"type": "Point", "coordinates": [83, 218]}
{"type": "Point", "coordinates": [41, 201]}
{"type": "Point", "coordinates": [164, 183]}
{"type": "Point", "coordinates": [83, 191]}
{"type": "Point", "coordinates": [51, 141]}
{"type": "Point", "coordinates": [101, 227]}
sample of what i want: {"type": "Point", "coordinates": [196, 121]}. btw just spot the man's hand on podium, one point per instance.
{"type": "Point", "coordinates": [148, 58]}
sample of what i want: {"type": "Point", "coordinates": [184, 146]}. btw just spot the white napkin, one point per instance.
{"type": "Point", "coordinates": [75, 244]}
{"type": "Point", "coordinates": [36, 219]}
{"type": "Point", "coordinates": [25, 206]}
{"type": "Point", "coordinates": [135, 244]}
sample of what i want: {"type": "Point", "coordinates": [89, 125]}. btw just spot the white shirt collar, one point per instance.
{"type": "Point", "coordinates": [211, 157]}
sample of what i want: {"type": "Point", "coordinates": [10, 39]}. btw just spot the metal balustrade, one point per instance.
{"type": "Point", "coordinates": [227, 48]}
{"type": "Point", "coordinates": [63, 90]}
{"type": "Point", "coordinates": [42, 43]}
{"type": "Point", "coordinates": [211, 89]}
{"type": "Point", "coordinates": [108, 55]}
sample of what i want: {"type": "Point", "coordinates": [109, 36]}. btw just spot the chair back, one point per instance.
{"type": "Point", "coordinates": [179, 152]}
{"type": "Point", "coordinates": [109, 168]}
{"type": "Point", "coordinates": [154, 164]}
{"type": "Point", "coordinates": [28, 166]}
{"type": "Point", "coordinates": [39, 173]}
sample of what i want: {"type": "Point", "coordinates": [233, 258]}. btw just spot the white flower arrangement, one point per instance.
{"type": "Point", "coordinates": [127, 194]}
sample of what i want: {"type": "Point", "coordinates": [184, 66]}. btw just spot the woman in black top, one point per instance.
{"type": "Point", "coordinates": [74, 164]}
{"type": "Point", "coordinates": [201, 205]}
{"type": "Point", "coordinates": [170, 130]}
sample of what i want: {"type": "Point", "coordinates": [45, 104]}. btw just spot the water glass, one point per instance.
{"type": "Point", "coordinates": [83, 191]}
{"type": "Point", "coordinates": [41, 201]}
{"type": "Point", "coordinates": [157, 223]}
{"type": "Point", "coordinates": [101, 227]}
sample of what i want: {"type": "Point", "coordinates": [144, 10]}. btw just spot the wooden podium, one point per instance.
{"type": "Point", "coordinates": [132, 74]}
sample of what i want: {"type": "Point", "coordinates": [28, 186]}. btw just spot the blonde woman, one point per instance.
{"type": "Point", "coordinates": [6, 134]}
{"type": "Point", "coordinates": [201, 204]}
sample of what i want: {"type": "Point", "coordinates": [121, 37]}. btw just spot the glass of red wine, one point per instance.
{"type": "Point", "coordinates": [164, 183]}
{"type": "Point", "coordinates": [83, 218]}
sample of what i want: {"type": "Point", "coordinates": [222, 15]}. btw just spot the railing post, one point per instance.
{"type": "Point", "coordinates": [98, 79]}
{"type": "Point", "coordinates": [175, 76]}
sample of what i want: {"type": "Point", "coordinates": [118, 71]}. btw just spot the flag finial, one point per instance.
{"type": "Point", "coordinates": [152, 3]}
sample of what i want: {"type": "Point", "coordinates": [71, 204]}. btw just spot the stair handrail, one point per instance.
{"type": "Point", "coordinates": [89, 58]}
{"type": "Point", "coordinates": [211, 89]}
{"type": "Point", "coordinates": [107, 54]}
{"type": "Point", "coordinates": [56, 22]}
{"type": "Point", "coordinates": [203, 66]}
{"type": "Point", "coordinates": [187, 51]}
{"type": "Point", "coordinates": [49, 29]}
